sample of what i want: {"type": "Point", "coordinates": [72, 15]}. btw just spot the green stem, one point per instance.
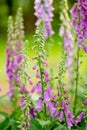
{"type": "Point", "coordinates": [77, 80]}
{"type": "Point", "coordinates": [42, 82]}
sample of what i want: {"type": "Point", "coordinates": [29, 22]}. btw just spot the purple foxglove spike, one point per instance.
{"type": "Point", "coordinates": [46, 97]}
{"type": "Point", "coordinates": [39, 105]}
{"type": "Point", "coordinates": [60, 115]}
{"type": "Point", "coordinates": [80, 116]}
{"type": "Point", "coordinates": [43, 10]}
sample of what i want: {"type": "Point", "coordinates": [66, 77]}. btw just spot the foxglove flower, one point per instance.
{"type": "Point", "coordinates": [85, 102]}
{"type": "Point", "coordinates": [60, 115]}
{"type": "Point", "coordinates": [32, 112]}
{"type": "Point", "coordinates": [79, 13]}
{"type": "Point", "coordinates": [80, 116]}
{"type": "Point", "coordinates": [39, 105]}
{"type": "Point", "coordinates": [39, 88]}
{"type": "Point", "coordinates": [51, 108]}
{"type": "Point", "coordinates": [37, 74]}
{"type": "Point", "coordinates": [46, 97]}
{"type": "Point", "coordinates": [69, 123]}
{"type": "Point", "coordinates": [43, 10]}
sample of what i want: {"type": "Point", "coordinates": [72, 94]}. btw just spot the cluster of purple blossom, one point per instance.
{"type": "Point", "coordinates": [16, 60]}
{"type": "Point", "coordinates": [79, 12]}
{"type": "Point", "coordinates": [50, 104]}
{"type": "Point", "coordinates": [43, 10]}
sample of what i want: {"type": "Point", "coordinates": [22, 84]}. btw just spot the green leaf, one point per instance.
{"type": "Point", "coordinates": [43, 123]}
{"type": "Point", "coordinates": [4, 124]}
{"type": "Point", "coordinates": [61, 127]}
{"type": "Point", "coordinates": [35, 125]}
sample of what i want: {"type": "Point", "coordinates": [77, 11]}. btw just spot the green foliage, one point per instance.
{"type": "Point", "coordinates": [35, 125]}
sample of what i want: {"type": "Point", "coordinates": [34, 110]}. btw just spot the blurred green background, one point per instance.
{"type": "Point", "coordinates": [9, 7]}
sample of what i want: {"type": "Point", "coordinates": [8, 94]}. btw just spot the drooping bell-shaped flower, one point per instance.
{"type": "Point", "coordinates": [39, 105]}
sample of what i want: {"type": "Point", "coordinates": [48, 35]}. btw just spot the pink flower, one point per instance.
{"type": "Point", "coordinates": [39, 105]}
{"type": "Point", "coordinates": [38, 74]}
{"type": "Point", "coordinates": [34, 67]}
{"type": "Point", "coordinates": [46, 97]}
{"type": "Point", "coordinates": [39, 88]}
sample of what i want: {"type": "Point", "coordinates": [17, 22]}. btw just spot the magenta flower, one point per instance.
{"type": "Point", "coordinates": [80, 116]}
{"type": "Point", "coordinates": [49, 90]}
{"type": "Point", "coordinates": [32, 113]}
{"type": "Point", "coordinates": [38, 74]}
{"type": "Point", "coordinates": [39, 105]}
{"type": "Point", "coordinates": [60, 115]}
{"type": "Point", "coordinates": [51, 108]}
{"type": "Point", "coordinates": [46, 79]}
{"type": "Point", "coordinates": [39, 88]}
{"type": "Point", "coordinates": [22, 102]}
{"type": "Point", "coordinates": [23, 89]}
{"type": "Point", "coordinates": [69, 123]}
{"type": "Point", "coordinates": [85, 102]}
{"type": "Point", "coordinates": [46, 73]}
{"type": "Point", "coordinates": [79, 13]}
{"type": "Point", "coordinates": [43, 10]}
{"type": "Point", "coordinates": [46, 97]}
{"type": "Point", "coordinates": [34, 67]}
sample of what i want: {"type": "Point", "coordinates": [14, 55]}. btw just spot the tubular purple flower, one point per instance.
{"type": "Point", "coordinates": [39, 105]}
{"type": "Point", "coordinates": [51, 108]}
{"type": "Point", "coordinates": [32, 112]}
{"type": "Point", "coordinates": [80, 116]}
{"type": "Point", "coordinates": [37, 74]}
{"type": "Point", "coordinates": [79, 13]}
{"type": "Point", "coordinates": [60, 115]}
{"type": "Point", "coordinates": [85, 102]}
{"type": "Point", "coordinates": [43, 10]}
{"type": "Point", "coordinates": [39, 88]}
{"type": "Point", "coordinates": [46, 97]}
{"type": "Point", "coordinates": [69, 123]}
